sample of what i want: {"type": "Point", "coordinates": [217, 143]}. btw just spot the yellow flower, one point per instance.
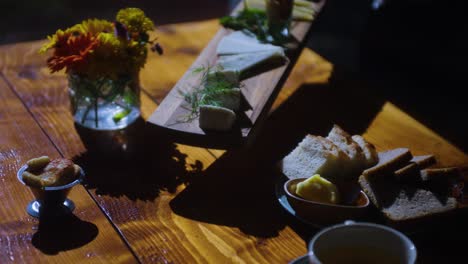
{"type": "Point", "coordinates": [135, 20]}
{"type": "Point", "coordinates": [94, 48]}
{"type": "Point", "coordinates": [53, 40]}
{"type": "Point", "coordinates": [94, 26]}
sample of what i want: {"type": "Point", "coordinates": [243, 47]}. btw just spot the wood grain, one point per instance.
{"type": "Point", "coordinates": [260, 91]}
{"type": "Point", "coordinates": [140, 206]}
{"type": "Point", "coordinates": [392, 128]}
{"type": "Point", "coordinates": [22, 238]}
{"type": "Point", "coordinates": [177, 203]}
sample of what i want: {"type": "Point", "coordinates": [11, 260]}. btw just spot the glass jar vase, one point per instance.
{"type": "Point", "coordinates": [102, 103]}
{"type": "Point", "coordinates": [279, 14]}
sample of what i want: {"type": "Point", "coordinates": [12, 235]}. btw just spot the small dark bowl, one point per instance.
{"type": "Point", "coordinates": [50, 197]}
{"type": "Point", "coordinates": [324, 213]}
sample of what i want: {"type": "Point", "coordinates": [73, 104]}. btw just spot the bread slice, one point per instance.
{"type": "Point", "coordinates": [404, 202]}
{"type": "Point", "coordinates": [401, 202]}
{"type": "Point", "coordinates": [440, 174]}
{"type": "Point", "coordinates": [389, 162]}
{"type": "Point", "coordinates": [414, 203]}
{"type": "Point", "coordinates": [411, 172]}
{"type": "Point", "coordinates": [344, 141]}
{"type": "Point", "coordinates": [339, 159]}
{"type": "Point", "coordinates": [408, 173]}
{"type": "Point", "coordinates": [369, 151]}
{"type": "Point", "coordinates": [310, 157]}
{"type": "Point", "coordinates": [373, 178]}
{"type": "Point", "coordinates": [423, 161]}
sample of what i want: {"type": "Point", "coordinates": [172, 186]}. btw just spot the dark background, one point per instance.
{"type": "Point", "coordinates": [412, 52]}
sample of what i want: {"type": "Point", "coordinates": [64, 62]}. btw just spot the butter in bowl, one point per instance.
{"type": "Point", "coordinates": [323, 172]}
{"type": "Point", "coordinates": [318, 201]}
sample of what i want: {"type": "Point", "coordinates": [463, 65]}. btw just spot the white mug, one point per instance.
{"type": "Point", "coordinates": [355, 242]}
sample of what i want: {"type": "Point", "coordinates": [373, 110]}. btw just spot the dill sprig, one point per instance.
{"type": "Point", "coordinates": [255, 21]}
{"type": "Point", "coordinates": [212, 84]}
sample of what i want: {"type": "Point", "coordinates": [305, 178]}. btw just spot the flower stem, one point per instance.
{"type": "Point", "coordinates": [83, 119]}
{"type": "Point", "coordinates": [96, 112]}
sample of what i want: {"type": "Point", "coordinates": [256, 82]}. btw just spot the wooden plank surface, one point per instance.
{"type": "Point", "coordinates": [140, 205]}
{"type": "Point", "coordinates": [87, 235]}
{"type": "Point", "coordinates": [260, 91]}
{"type": "Point", "coordinates": [176, 203]}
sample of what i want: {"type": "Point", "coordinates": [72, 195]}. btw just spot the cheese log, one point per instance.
{"type": "Point", "coordinates": [216, 118]}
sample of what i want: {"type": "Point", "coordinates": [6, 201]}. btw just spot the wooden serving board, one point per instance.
{"type": "Point", "coordinates": [260, 91]}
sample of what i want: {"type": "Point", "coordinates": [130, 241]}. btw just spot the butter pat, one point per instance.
{"type": "Point", "coordinates": [318, 189]}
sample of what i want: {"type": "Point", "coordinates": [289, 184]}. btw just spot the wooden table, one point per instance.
{"type": "Point", "coordinates": [172, 203]}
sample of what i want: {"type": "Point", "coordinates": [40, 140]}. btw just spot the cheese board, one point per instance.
{"type": "Point", "coordinates": [259, 91]}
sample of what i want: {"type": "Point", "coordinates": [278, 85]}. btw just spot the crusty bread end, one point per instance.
{"type": "Point", "coordinates": [344, 141]}
{"type": "Point", "coordinates": [369, 150]}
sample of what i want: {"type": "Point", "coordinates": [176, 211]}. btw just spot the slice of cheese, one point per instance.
{"type": "Point", "coordinates": [216, 118]}
{"type": "Point", "coordinates": [244, 62]}
{"type": "Point", "coordinates": [238, 44]}
{"type": "Point", "coordinates": [229, 75]}
{"type": "Point", "coordinates": [227, 98]}
{"type": "Point", "coordinates": [243, 36]}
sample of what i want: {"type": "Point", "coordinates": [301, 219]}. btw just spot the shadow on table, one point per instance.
{"type": "Point", "coordinates": [139, 166]}
{"type": "Point", "coordinates": [63, 232]}
{"type": "Point", "coordinates": [239, 188]}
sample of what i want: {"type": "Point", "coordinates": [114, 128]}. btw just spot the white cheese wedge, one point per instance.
{"type": "Point", "coordinates": [227, 98]}
{"type": "Point", "coordinates": [230, 75]}
{"type": "Point", "coordinates": [239, 44]}
{"type": "Point", "coordinates": [241, 35]}
{"type": "Point", "coordinates": [243, 62]}
{"type": "Point", "coordinates": [216, 118]}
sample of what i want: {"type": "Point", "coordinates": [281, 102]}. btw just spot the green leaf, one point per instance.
{"type": "Point", "coordinates": [256, 22]}
{"type": "Point", "coordinates": [130, 98]}
{"type": "Point", "coordinates": [212, 82]}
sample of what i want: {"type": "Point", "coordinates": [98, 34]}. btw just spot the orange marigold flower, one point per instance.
{"type": "Point", "coordinates": [72, 51]}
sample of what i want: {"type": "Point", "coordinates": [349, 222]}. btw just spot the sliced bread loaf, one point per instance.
{"type": "Point", "coordinates": [369, 150]}
{"type": "Point", "coordinates": [414, 198]}
{"type": "Point", "coordinates": [389, 162]}
{"type": "Point", "coordinates": [412, 203]}
{"type": "Point", "coordinates": [423, 161]}
{"type": "Point", "coordinates": [372, 179]}
{"type": "Point", "coordinates": [411, 172]}
{"type": "Point", "coordinates": [440, 174]}
{"type": "Point", "coordinates": [310, 157]}
{"type": "Point", "coordinates": [344, 141]}
{"type": "Point", "coordinates": [339, 159]}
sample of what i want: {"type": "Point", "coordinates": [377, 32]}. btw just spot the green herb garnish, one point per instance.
{"type": "Point", "coordinates": [212, 83]}
{"type": "Point", "coordinates": [255, 21]}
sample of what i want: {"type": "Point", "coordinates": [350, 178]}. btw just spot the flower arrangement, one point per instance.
{"type": "Point", "coordinates": [102, 60]}
{"type": "Point", "coordinates": [97, 48]}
